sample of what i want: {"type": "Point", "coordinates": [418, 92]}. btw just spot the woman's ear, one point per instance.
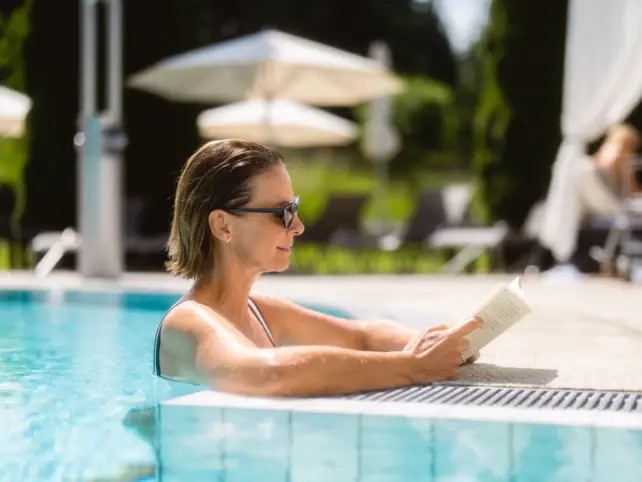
{"type": "Point", "coordinates": [219, 225]}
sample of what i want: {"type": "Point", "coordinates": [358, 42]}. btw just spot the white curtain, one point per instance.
{"type": "Point", "coordinates": [602, 84]}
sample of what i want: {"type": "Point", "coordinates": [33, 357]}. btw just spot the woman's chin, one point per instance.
{"type": "Point", "coordinates": [280, 266]}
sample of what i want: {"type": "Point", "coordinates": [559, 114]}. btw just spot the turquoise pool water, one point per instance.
{"type": "Point", "coordinates": [78, 402]}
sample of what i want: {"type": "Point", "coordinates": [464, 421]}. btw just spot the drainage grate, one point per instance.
{"type": "Point", "coordinates": [509, 397]}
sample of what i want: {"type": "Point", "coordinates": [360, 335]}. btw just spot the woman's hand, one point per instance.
{"type": "Point", "coordinates": [437, 351]}
{"type": "Point", "coordinates": [472, 359]}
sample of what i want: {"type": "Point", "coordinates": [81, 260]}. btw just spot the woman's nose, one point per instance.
{"type": "Point", "coordinates": [297, 226]}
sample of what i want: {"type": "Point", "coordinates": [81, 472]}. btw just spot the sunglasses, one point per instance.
{"type": "Point", "coordinates": [286, 213]}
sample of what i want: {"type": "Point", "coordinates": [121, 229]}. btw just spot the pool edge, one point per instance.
{"type": "Point", "coordinates": [208, 398]}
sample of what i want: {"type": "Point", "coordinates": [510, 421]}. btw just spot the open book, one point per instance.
{"type": "Point", "coordinates": [503, 309]}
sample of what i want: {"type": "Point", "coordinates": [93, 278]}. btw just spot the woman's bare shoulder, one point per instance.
{"type": "Point", "coordinates": [277, 310]}
{"type": "Point", "coordinates": [190, 316]}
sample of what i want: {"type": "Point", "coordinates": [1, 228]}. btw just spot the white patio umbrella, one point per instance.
{"type": "Point", "coordinates": [279, 122]}
{"type": "Point", "coordinates": [268, 64]}
{"type": "Point", "coordinates": [14, 107]}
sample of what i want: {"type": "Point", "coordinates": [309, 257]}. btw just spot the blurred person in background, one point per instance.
{"type": "Point", "coordinates": [607, 177]}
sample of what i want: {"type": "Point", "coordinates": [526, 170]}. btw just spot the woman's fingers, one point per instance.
{"type": "Point", "coordinates": [472, 359]}
{"type": "Point", "coordinates": [438, 328]}
{"type": "Point", "coordinates": [468, 326]}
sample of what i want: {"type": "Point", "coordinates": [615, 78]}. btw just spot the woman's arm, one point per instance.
{"type": "Point", "coordinates": [210, 351]}
{"type": "Point", "coordinates": [294, 325]}
{"type": "Point", "coordinates": [309, 371]}
{"type": "Point", "coordinates": [387, 335]}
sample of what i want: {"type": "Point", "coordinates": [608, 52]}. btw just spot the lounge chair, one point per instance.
{"type": "Point", "coordinates": [54, 245]}
{"type": "Point", "coordinates": [136, 242]}
{"type": "Point", "coordinates": [340, 222]}
{"type": "Point", "coordinates": [599, 240]}
{"type": "Point", "coordinates": [441, 220]}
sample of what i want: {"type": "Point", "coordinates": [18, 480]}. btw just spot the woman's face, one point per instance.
{"type": "Point", "coordinates": [616, 151]}
{"type": "Point", "coordinates": [621, 144]}
{"type": "Point", "coordinates": [261, 240]}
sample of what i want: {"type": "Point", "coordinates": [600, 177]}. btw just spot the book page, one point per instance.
{"type": "Point", "coordinates": [502, 310]}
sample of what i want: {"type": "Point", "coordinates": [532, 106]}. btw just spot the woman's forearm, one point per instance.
{"type": "Point", "coordinates": [316, 370]}
{"type": "Point", "coordinates": [385, 335]}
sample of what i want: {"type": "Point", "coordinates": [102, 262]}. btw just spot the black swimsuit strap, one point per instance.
{"type": "Point", "coordinates": [259, 316]}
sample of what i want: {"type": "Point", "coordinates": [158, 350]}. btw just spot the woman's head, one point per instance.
{"type": "Point", "coordinates": [234, 199]}
{"type": "Point", "coordinates": [623, 138]}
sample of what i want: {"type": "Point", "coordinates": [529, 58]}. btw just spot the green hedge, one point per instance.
{"type": "Point", "coordinates": [14, 153]}
{"type": "Point", "coordinates": [318, 259]}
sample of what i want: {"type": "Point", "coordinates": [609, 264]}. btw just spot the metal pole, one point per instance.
{"type": "Point", "coordinates": [381, 195]}
{"type": "Point", "coordinates": [382, 140]}
{"type": "Point", "coordinates": [88, 58]}
{"type": "Point", "coordinates": [113, 144]}
{"type": "Point", "coordinates": [113, 117]}
{"type": "Point", "coordinates": [87, 139]}
{"type": "Point", "coordinates": [100, 191]}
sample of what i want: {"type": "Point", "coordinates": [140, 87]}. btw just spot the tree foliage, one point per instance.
{"type": "Point", "coordinates": [162, 134]}
{"type": "Point", "coordinates": [517, 122]}
{"type": "Point", "coordinates": [14, 153]}
{"type": "Point", "coordinates": [426, 122]}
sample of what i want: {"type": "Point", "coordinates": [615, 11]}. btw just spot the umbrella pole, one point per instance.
{"type": "Point", "coordinates": [380, 195]}
{"type": "Point", "coordinates": [267, 122]}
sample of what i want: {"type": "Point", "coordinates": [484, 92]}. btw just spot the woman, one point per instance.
{"type": "Point", "coordinates": [235, 217]}
{"type": "Point", "coordinates": [621, 143]}
{"type": "Point", "coordinates": [606, 176]}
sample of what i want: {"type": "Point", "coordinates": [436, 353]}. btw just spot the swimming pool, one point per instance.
{"type": "Point", "coordinates": [78, 401]}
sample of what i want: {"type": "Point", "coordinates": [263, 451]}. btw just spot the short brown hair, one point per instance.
{"type": "Point", "coordinates": [217, 176]}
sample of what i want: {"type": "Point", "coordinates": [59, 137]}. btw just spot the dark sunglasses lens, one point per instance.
{"type": "Point", "coordinates": [288, 215]}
